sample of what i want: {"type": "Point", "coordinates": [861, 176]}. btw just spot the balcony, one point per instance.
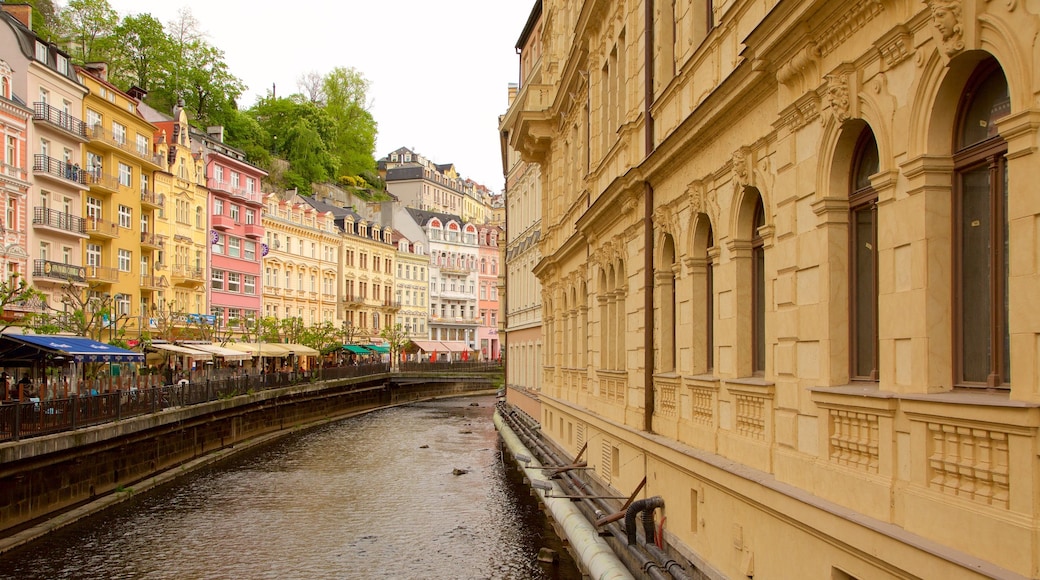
{"type": "Point", "coordinates": [50, 167]}
{"type": "Point", "coordinates": [102, 182]}
{"type": "Point", "coordinates": [58, 222]}
{"type": "Point", "coordinates": [221, 222]}
{"type": "Point", "coordinates": [98, 228]}
{"type": "Point", "coordinates": [58, 271]}
{"type": "Point", "coordinates": [102, 274]}
{"type": "Point", "coordinates": [150, 241]}
{"type": "Point", "coordinates": [272, 290]}
{"type": "Point", "coordinates": [152, 282]}
{"type": "Point", "coordinates": [453, 269]}
{"type": "Point", "coordinates": [100, 136]}
{"type": "Point", "coordinates": [254, 231]}
{"type": "Point", "coordinates": [234, 190]}
{"type": "Point", "coordinates": [60, 120]}
{"type": "Point", "coordinates": [152, 200]}
{"type": "Point", "coordinates": [392, 305]}
{"type": "Point", "coordinates": [353, 300]}
{"type": "Point", "coordinates": [184, 275]}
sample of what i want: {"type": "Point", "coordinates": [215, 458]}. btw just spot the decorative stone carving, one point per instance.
{"type": "Point", "coordinates": [946, 17]}
{"type": "Point", "coordinates": [837, 97]}
{"type": "Point", "coordinates": [845, 25]}
{"type": "Point", "coordinates": [798, 64]}
{"type": "Point", "coordinates": [703, 200]}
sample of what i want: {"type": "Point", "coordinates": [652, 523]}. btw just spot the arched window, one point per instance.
{"type": "Point", "coordinates": [758, 290]}
{"type": "Point", "coordinates": [666, 286]}
{"type": "Point", "coordinates": [981, 232]}
{"type": "Point", "coordinates": [863, 289]}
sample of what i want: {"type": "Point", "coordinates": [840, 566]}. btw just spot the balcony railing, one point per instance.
{"type": "Point", "coordinates": [60, 119]}
{"type": "Point", "coordinates": [55, 167]}
{"type": "Point", "coordinates": [58, 270]}
{"type": "Point", "coordinates": [96, 178]}
{"type": "Point", "coordinates": [100, 228]}
{"type": "Point", "coordinates": [152, 199]}
{"type": "Point", "coordinates": [187, 273]}
{"type": "Point", "coordinates": [353, 299]}
{"type": "Point", "coordinates": [55, 219]}
{"type": "Point", "coordinates": [102, 274]}
{"type": "Point", "coordinates": [154, 241]}
{"type": "Point", "coordinates": [235, 190]}
{"type": "Point", "coordinates": [150, 282]}
{"type": "Point", "coordinates": [98, 133]}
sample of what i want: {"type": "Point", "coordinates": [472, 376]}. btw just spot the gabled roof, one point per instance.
{"type": "Point", "coordinates": [422, 216]}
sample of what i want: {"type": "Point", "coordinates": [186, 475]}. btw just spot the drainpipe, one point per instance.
{"type": "Point", "coordinates": [648, 226]}
{"type": "Point", "coordinates": [602, 563]}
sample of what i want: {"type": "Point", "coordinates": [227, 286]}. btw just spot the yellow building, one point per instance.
{"type": "Point", "coordinates": [181, 220]}
{"type": "Point", "coordinates": [119, 208]}
{"type": "Point", "coordinates": [412, 286]}
{"type": "Point", "coordinates": [789, 270]}
{"type": "Point", "coordinates": [302, 262]}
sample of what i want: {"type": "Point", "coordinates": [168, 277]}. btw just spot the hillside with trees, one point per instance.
{"type": "Point", "coordinates": [325, 132]}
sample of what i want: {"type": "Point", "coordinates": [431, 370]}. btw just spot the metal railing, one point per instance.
{"type": "Point", "coordinates": [34, 417]}
{"type": "Point", "coordinates": [57, 117]}
{"type": "Point", "coordinates": [58, 168]}
{"type": "Point", "coordinates": [53, 218]}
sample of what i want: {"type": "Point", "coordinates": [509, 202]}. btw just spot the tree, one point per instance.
{"type": "Point", "coordinates": [396, 340]}
{"type": "Point", "coordinates": [310, 83]}
{"type": "Point", "coordinates": [17, 294]}
{"type": "Point", "coordinates": [143, 53]}
{"type": "Point", "coordinates": [346, 101]}
{"type": "Point", "coordinates": [349, 333]}
{"type": "Point", "coordinates": [323, 337]}
{"type": "Point", "coordinates": [88, 29]}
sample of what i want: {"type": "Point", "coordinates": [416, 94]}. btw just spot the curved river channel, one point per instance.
{"type": "Point", "coordinates": [372, 496]}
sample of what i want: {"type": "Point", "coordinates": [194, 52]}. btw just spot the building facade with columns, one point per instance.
{"type": "Point", "coordinates": [789, 270]}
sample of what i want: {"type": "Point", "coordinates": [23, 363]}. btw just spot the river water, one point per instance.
{"type": "Point", "coordinates": [374, 496]}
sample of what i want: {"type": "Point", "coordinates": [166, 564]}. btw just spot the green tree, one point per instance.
{"type": "Point", "coordinates": [345, 92]}
{"type": "Point", "coordinates": [17, 295]}
{"type": "Point", "coordinates": [87, 28]}
{"type": "Point", "coordinates": [291, 329]}
{"type": "Point", "coordinates": [323, 337]}
{"type": "Point", "coordinates": [396, 340]}
{"type": "Point", "coordinates": [143, 53]}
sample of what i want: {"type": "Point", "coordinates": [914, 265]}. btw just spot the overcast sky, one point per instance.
{"type": "Point", "coordinates": [439, 70]}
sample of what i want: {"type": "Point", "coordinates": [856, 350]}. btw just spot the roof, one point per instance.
{"type": "Point", "coordinates": [422, 216]}
{"type": "Point", "coordinates": [29, 347]}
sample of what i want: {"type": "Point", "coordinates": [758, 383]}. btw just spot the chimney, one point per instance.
{"type": "Point", "coordinates": [216, 132]}
{"type": "Point", "coordinates": [23, 12]}
{"type": "Point", "coordinates": [97, 70]}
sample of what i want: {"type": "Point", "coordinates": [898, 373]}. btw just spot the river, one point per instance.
{"type": "Point", "coordinates": [373, 496]}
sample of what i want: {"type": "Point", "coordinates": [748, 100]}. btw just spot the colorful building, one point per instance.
{"type": "Point", "coordinates": [43, 78]}
{"type": "Point", "coordinates": [412, 286]}
{"type": "Point", "coordinates": [302, 262]}
{"type": "Point", "coordinates": [488, 341]}
{"type": "Point", "coordinates": [181, 219]}
{"type": "Point", "coordinates": [15, 122]}
{"type": "Point", "coordinates": [119, 208]}
{"type": "Point", "coordinates": [234, 256]}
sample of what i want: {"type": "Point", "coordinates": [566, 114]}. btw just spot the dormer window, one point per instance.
{"type": "Point", "coordinates": [63, 64]}
{"type": "Point", "coordinates": [41, 51]}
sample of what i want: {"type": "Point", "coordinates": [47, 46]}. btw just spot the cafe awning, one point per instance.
{"type": "Point", "coordinates": [78, 348]}
{"type": "Point", "coordinates": [263, 349]}
{"type": "Point", "coordinates": [377, 348]}
{"type": "Point", "coordinates": [195, 354]}
{"type": "Point", "coordinates": [428, 345]}
{"type": "Point", "coordinates": [300, 349]}
{"type": "Point", "coordinates": [455, 346]}
{"type": "Point", "coordinates": [356, 349]}
{"type": "Point", "coordinates": [220, 351]}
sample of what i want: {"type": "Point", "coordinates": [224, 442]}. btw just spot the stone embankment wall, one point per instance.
{"type": "Point", "coordinates": [45, 476]}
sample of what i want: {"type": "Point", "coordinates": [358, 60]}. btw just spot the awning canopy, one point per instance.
{"type": "Point", "coordinates": [428, 345]}
{"type": "Point", "coordinates": [377, 348]}
{"type": "Point", "coordinates": [22, 347]}
{"type": "Point", "coordinates": [263, 349]}
{"type": "Point", "coordinates": [300, 349]}
{"type": "Point", "coordinates": [356, 349]}
{"type": "Point", "coordinates": [455, 346]}
{"type": "Point", "coordinates": [224, 353]}
{"type": "Point", "coordinates": [195, 354]}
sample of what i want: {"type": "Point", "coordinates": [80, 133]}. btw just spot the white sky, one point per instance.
{"type": "Point", "coordinates": [439, 70]}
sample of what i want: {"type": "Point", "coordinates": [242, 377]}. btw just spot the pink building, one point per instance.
{"type": "Point", "coordinates": [14, 183]}
{"type": "Point", "coordinates": [487, 277]}
{"type": "Point", "coordinates": [236, 250]}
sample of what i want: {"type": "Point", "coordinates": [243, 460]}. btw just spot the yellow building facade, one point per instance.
{"type": "Point", "coordinates": [119, 208]}
{"type": "Point", "coordinates": [181, 219]}
{"type": "Point", "coordinates": [789, 270]}
{"type": "Point", "coordinates": [302, 261]}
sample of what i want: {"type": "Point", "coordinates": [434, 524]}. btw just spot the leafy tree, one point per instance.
{"type": "Point", "coordinates": [349, 333]}
{"type": "Point", "coordinates": [323, 337]}
{"type": "Point", "coordinates": [17, 294]}
{"type": "Point", "coordinates": [259, 329]}
{"type": "Point", "coordinates": [291, 329]}
{"type": "Point", "coordinates": [346, 100]}
{"type": "Point", "coordinates": [397, 340]}
{"type": "Point", "coordinates": [143, 53]}
{"type": "Point", "coordinates": [88, 29]}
